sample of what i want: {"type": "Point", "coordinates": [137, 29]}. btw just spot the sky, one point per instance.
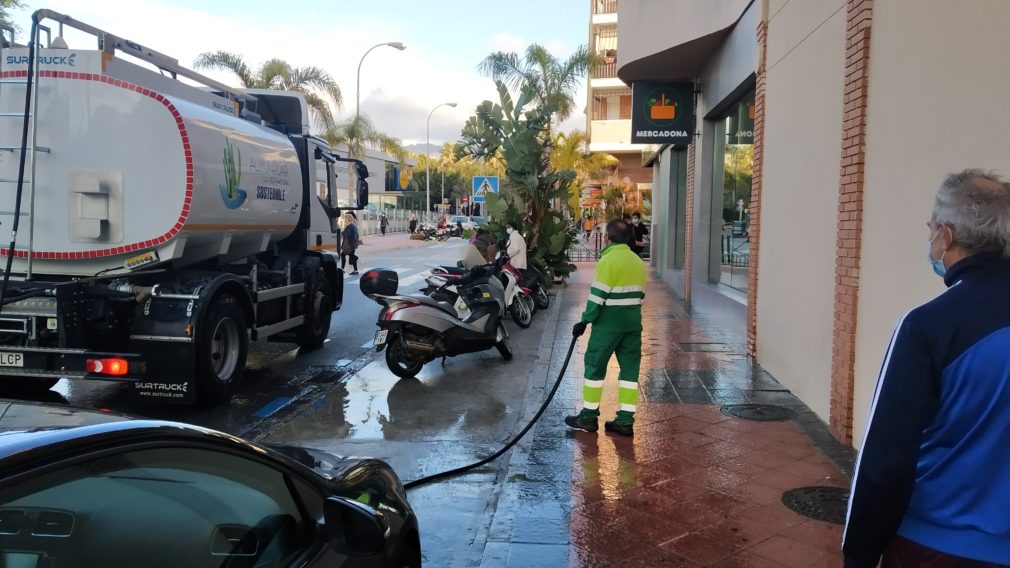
{"type": "Point", "coordinates": [445, 39]}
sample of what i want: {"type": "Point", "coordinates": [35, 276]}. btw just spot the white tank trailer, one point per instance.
{"type": "Point", "coordinates": [162, 223]}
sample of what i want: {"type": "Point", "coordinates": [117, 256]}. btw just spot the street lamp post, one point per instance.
{"type": "Point", "coordinates": [357, 98]}
{"type": "Point", "coordinates": [427, 161]}
{"type": "Point", "coordinates": [357, 108]}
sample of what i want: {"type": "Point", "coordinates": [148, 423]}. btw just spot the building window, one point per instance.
{"type": "Point", "coordinates": [733, 167]}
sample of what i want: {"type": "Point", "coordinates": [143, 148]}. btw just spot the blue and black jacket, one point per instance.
{"type": "Point", "coordinates": [935, 463]}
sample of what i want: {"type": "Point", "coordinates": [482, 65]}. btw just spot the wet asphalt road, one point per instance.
{"type": "Point", "coordinates": [279, 376]}
{"type": "Point", "coordinates": [344, 400]}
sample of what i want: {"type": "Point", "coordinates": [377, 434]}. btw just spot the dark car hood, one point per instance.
{"type": "Point", "coordinates": [22, 418]}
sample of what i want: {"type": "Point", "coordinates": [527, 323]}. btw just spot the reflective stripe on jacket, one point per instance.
{"type": "Point", "coordinates": [618, 290]}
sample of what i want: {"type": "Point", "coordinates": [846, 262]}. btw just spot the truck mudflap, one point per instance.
{"type": "Point", "coordinates": [170, 372]}
{"type": "Point", "coordinates": [60, 363]}
{"type": "Point", "coordinates": [162, 331]}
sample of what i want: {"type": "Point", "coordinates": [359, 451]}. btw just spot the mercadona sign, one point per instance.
{"type": "Point", "coordinates": [662, 113]}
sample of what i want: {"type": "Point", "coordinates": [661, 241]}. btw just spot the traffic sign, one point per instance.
{"type": "Point", "coordinates": [483, 185]}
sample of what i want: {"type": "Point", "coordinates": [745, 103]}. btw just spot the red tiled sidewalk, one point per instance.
{"type": "Point", "coordinates": [695, 487]}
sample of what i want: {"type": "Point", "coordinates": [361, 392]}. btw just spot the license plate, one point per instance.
{"type": "Point", "coordinates": [12, 360]}
{"type": "Point", "coordinates": [380, 337]}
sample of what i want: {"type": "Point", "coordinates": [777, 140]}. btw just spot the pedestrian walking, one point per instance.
{"type": "Point", "coordinates": [614, 309]}
{"type": "Point", "coordinates": [932, 480]}
{"type": "Point", "coordinates": [383, 223]}
{"type": "Point", "coordinates": [413, 223]}
{"type": "Point", "coordinates": [640, 231]}
{"type": "Point", "coordinates": [516, 247]}
{"type": "Point", "coordinates": [350, 239]}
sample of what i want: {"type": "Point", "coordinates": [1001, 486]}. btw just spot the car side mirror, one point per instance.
{"type": "Point", "coordinates": [353, 528]}
{"type": "Point", "coordinates": [362, 193]}
{"type": "Point", "coordinates": [361, 172]}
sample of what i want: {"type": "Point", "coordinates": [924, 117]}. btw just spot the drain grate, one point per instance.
{"type": "Point", "coordinates": [819, 503]}
{"type": "Point", "coordinates": [760, 412]}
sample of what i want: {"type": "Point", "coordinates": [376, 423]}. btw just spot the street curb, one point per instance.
{"type": "Point", "coordinates": [499, 528]}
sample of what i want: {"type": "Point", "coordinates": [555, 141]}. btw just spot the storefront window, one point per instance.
{"type": "Point", "coordinates": [736, 163]}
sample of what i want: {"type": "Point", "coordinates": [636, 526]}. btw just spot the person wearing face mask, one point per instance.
{"type": "Point", "coordinates": [932, 481]}
{"type": "Point", "coordinates": [639, 231]}
{"type": "Point", "coordinates": [516, 247]}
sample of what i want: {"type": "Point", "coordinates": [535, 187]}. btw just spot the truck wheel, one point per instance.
{"type": "Point", "coordinates": [221, 350]}
{"type": "Point", "coordinates": [318, 314]}
{"type": "Point", "coordinates": [397, 363]}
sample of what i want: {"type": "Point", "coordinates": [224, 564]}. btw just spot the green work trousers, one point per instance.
{"type": "Point", "coordinates": [603, 343]}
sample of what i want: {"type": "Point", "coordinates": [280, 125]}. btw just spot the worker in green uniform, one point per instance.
{"type": "Point", "coordinates": [614, 309]}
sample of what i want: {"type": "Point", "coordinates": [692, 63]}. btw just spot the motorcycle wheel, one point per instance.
{"type": "Point", "coordinates": [520, 311]}
{"type": "Point", "coordinates": [541, 298]}
{"type": "Point", "coordinates": [532, 304]}
{"type": "Point", "coordinates": [396, 362]}
{"type": "Point", "coordinates": [505, 348]}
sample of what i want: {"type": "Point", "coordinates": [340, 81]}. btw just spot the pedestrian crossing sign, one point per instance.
{"type": "Point", "coordinates": [483, 185]}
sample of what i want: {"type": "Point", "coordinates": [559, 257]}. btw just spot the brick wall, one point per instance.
{"type": "Point", "coordinates": [850, 215]}
{"type": "Point", "coordinates": [631, 166]}
{"type": "Point", "coordinates": [756, 186]}
{"type": "Point", "coordinates": [689, 221]}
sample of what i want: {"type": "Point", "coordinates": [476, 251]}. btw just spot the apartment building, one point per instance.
{"type": "Point", "coordinates": [608, 108]}
{"type": "Point", "coordinates": [823, 129]}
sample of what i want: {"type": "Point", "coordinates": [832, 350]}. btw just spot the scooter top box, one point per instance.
{"type": "Point", "coordinates": [379, 281]}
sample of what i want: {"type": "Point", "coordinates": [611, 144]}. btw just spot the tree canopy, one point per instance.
{"type": "Point", "coordinates": [319, 89]}
{"type": "Point", "coordinates": [552, 81]}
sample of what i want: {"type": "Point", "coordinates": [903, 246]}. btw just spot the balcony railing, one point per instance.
{"type": "Point", "coordinates": [605, 69]}
{"type": "Point", "coordinates": [605, 6]}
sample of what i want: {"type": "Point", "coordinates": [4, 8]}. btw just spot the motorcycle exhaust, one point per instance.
{"type": "Point", "coordinates": [422, 347]}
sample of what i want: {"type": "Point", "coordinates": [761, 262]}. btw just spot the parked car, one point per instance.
{"type": "Point", "coordinates": [466, 221]}
{"type": "Point", "coordinates": [479, 220]}
{"type": "Point", "coordinates": [87, 488]}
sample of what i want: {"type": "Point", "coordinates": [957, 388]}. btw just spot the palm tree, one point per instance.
{"type": "Point", "coordinates": [358, 133]}
{"type": "Point", "coordinates": [569, 151]}
{"type": "Point", "coordinates": [554, 81]}
{"type": "Point", "coordinates": [315, 84]}
{"type": "Point", "coordinates": [5, 7]}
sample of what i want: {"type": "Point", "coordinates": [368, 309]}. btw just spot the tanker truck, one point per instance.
{"type": "Point", "coordinates": [160, 220]}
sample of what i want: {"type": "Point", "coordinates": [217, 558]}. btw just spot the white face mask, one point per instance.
{"type": "Point", "coordinates": [509, 230]}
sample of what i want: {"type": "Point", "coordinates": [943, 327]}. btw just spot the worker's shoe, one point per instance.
{"type": "Point", "coordinates": [580, 422]}
{"type": "Point", "coordinates": [622, 429]}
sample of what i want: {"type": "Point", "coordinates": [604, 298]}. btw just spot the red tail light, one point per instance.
{"type": "Point", "coordinates": [395, 308]}
{"type": "Point", "coordinates": [112, 366]}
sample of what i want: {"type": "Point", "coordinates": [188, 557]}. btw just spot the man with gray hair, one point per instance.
{"type": "Point", "coordinates": [932, 481]}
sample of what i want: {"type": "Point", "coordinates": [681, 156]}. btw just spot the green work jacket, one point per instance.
{"type": "Point", "coordinates": [617, 292]}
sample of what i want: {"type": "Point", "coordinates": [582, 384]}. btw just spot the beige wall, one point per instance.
{"type": "Point", "coordinates": [662, 24]}
{"type": "Point", "coordinates": [799, 202]}
{"type": "Point", "coordinates": [611, 132]}
{"type": "Point", "coordinates": [937, 100]}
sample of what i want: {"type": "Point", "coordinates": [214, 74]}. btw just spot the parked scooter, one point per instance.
{"type": "Point", "coordinates": [417, 329]}
{"type": "Point", "coordinates": [518, 300]}
{"type": "Point", "coordinates": [433, 233]}
{"type": "Point", "coordinates": [531, 279]}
